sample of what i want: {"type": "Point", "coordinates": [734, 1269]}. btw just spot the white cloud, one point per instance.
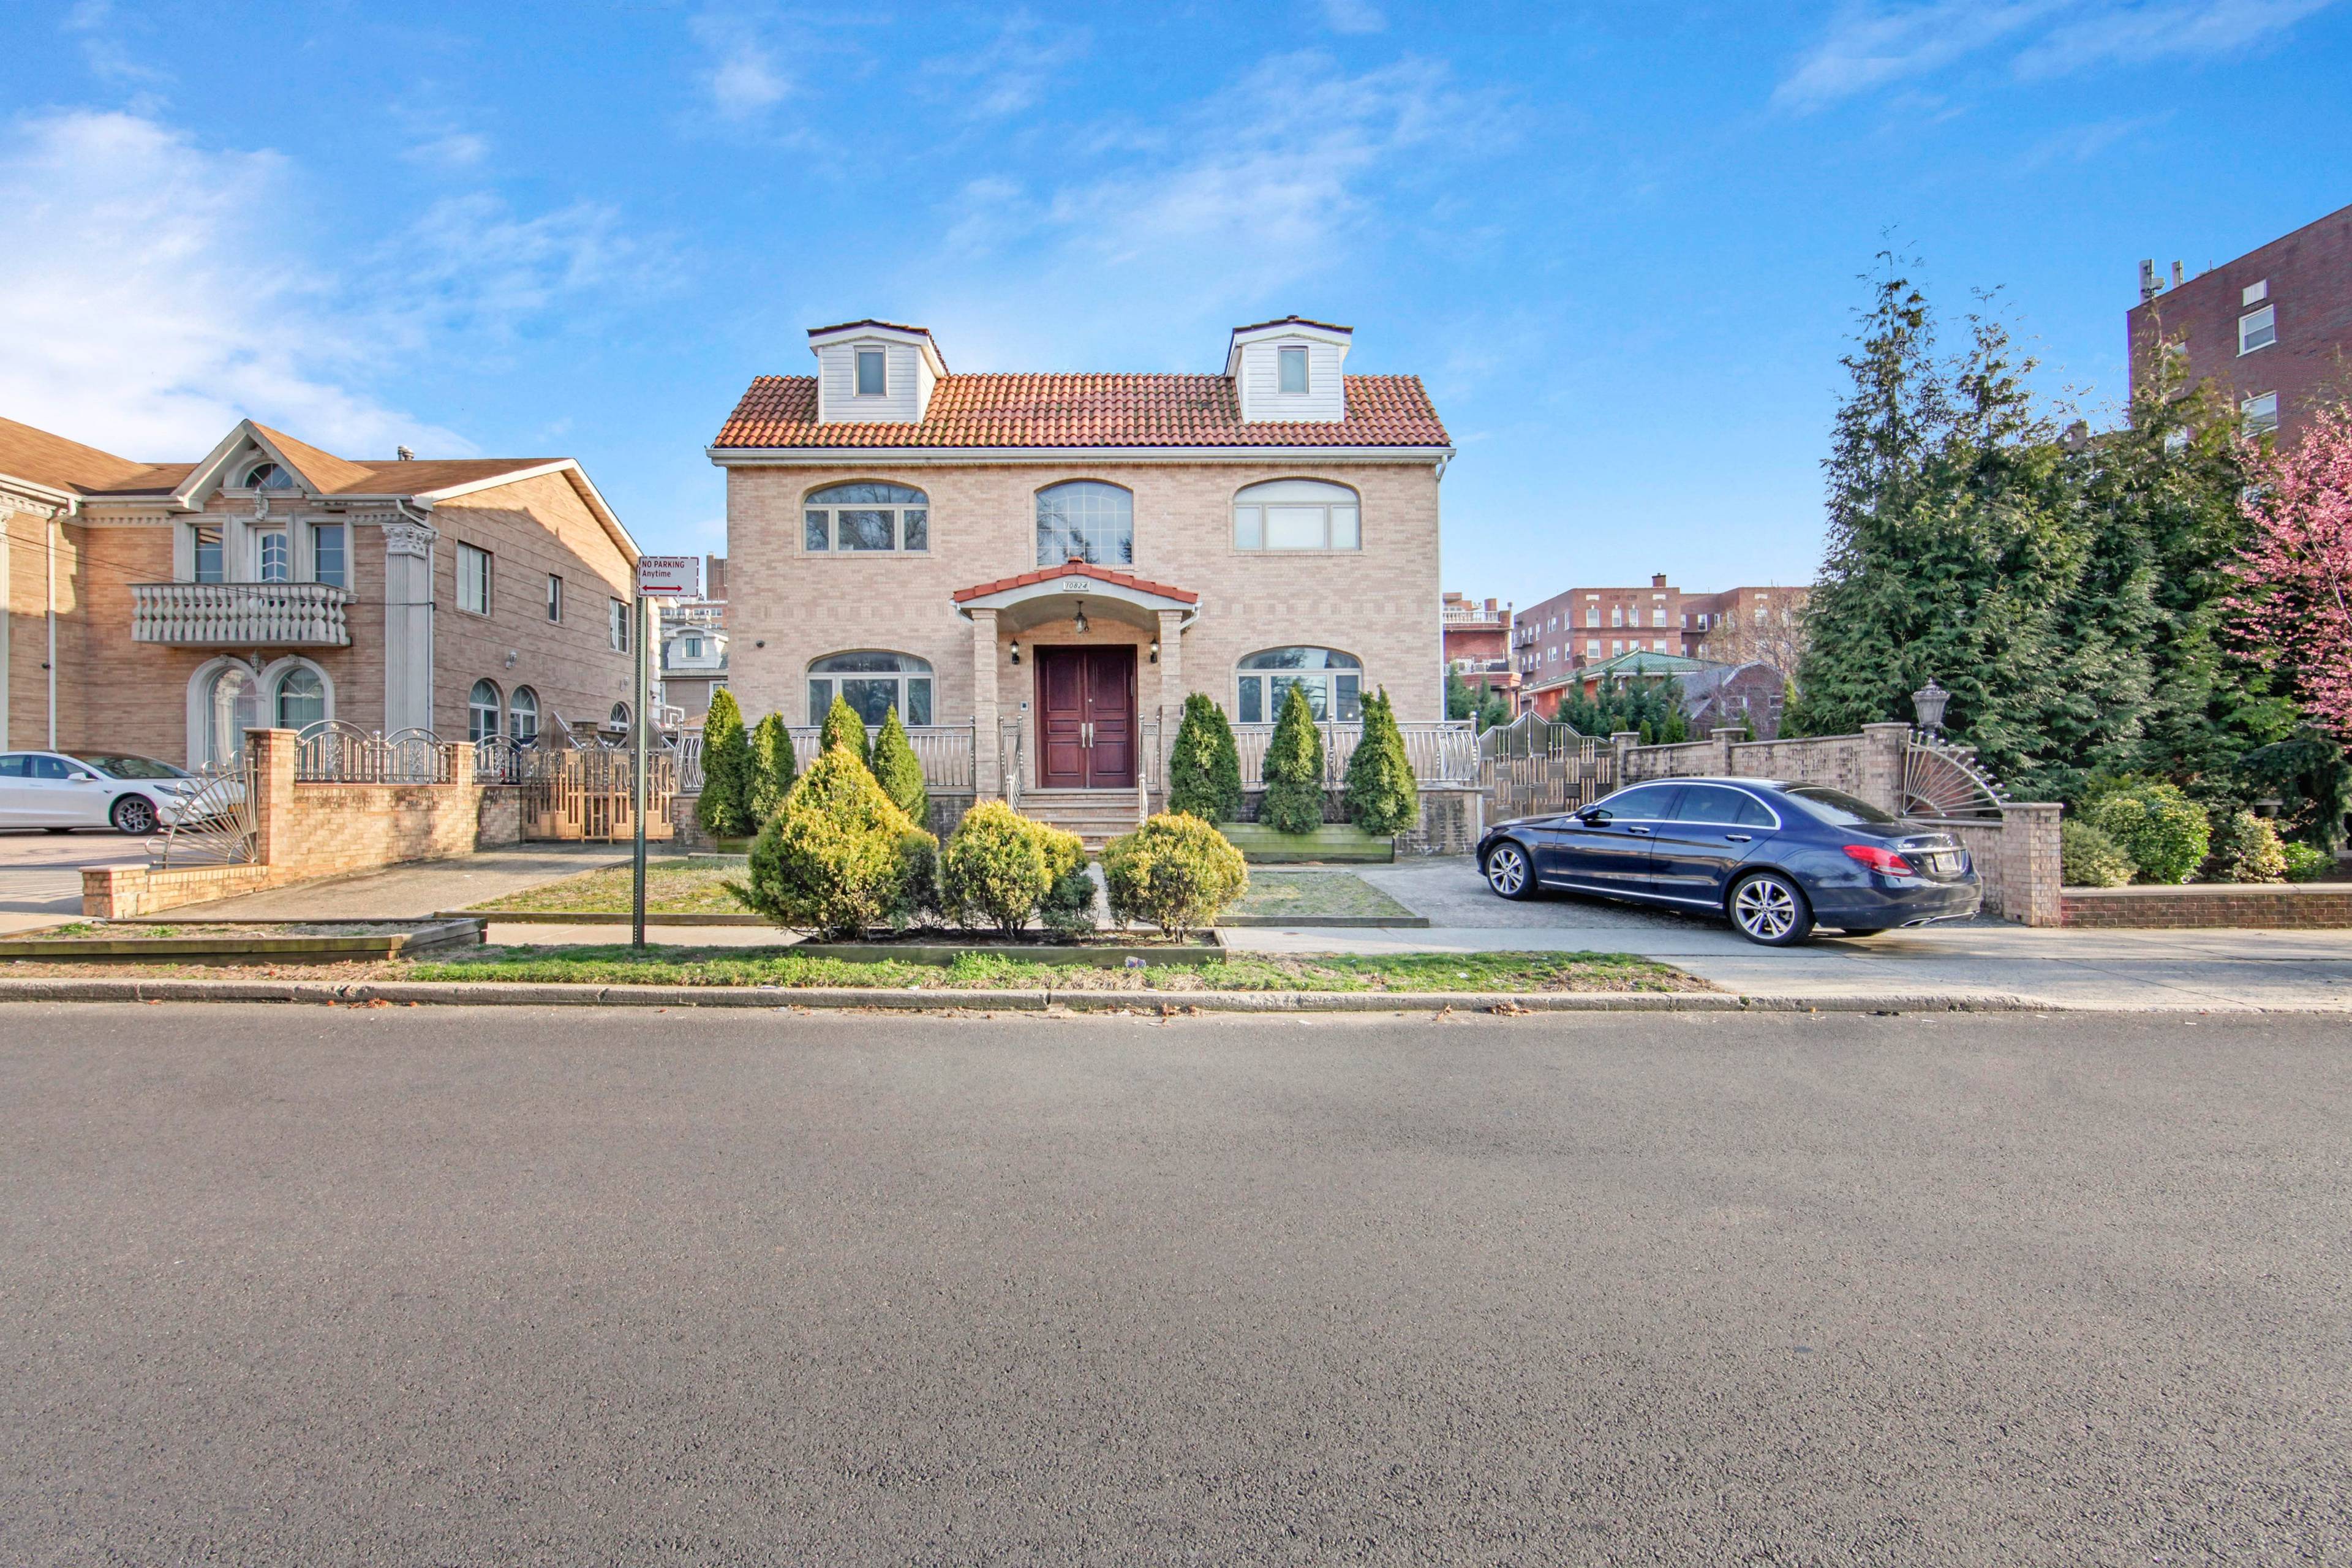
{"type": "Point", "coordinates": [744, 79]}
{"type": "Point", "coordinates": [1013, 71]}
{"type": "Point", "coordinates": [1353, 16]}
{"type": "Point", "coordinates": [1874, 43]}
{"type": "Point", "coordinates": [449, 150]}
{"type": "Point", "coordinates": [163, 300]}
{"type": "Point", "coordinates": [100, 31]}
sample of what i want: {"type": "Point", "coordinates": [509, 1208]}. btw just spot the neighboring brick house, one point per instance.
{"type": "Point", "coordinates": [1558, 639]}
{"type": "Point", "coordinates": [2273, 328]}
{"type": "Point", "coordinates": [1478, 644]}
{"type": "Point", "coordinates": [1061, 558]}
{"type": "Point", "coordinates": [273, 584]}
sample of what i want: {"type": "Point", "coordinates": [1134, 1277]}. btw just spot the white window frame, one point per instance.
{"type": "Point", "coordinates": [2254, 293]}
{"type": "Point", "coordinates": [616, 624]}
{"type": "Point", "coordinates": [812, 509]}
{"type": "Point", "coordinates": [2260, 412]}
{"type": "Point", "coordinates": [522, 703]}
{"type": "Point", "coordinates": [262, 538]}
{"type": "Point", "coordinates": [1274, 683]}
{"type": "Point", "coordinates": [1284, 358]}
{"type": "Point", "coordinates": [342, 532]}
{"type": "Point", "coordinates": [1341, 519]}
{"type": "Point", "coordinates": [857, 362]}
{"type": "Point", "coordinates": [911, 672]}
{"type": "Point", "coordinates": [2263, 323]}
{"type": "Point", "coordinates": [476, 563]}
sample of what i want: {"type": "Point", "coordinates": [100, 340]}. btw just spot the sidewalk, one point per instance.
{"type": "Point", "coordinates": [418, 888]}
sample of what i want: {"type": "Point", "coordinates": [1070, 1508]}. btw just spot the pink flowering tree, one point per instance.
{"type": "Point", "coordinates": [2293, 609]}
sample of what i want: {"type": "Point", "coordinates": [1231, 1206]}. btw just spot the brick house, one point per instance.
{"type": "Point", "coordinates": [1056, 560]}
{"type": "Point", "coordinates": [164, 608]}
{"type": "Point", "coordinates": [1478, 644]}
{"type": "Point", "coordinates": [2273, 328]}
{"type": "Point", "coordinates": [1558, 638]}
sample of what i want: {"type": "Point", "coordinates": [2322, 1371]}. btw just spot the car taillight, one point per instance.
{"type": "Point", "coordinates": [1878, 859]}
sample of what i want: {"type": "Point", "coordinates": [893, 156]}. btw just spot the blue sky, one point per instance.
{"type": "Point", "coordinates": [1619, 242]}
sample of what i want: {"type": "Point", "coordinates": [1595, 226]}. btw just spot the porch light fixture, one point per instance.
{"type": "Point", "coordinates": [1016, 650]}
{"type": "Point", "coordinates": [1079, 625]}
{"type": "Point", "coordinates": [1155, 650]}
{"type": "Point", "coordinates": [1927, 702]}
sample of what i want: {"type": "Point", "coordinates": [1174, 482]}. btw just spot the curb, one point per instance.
{"type": "Point", "coordinates": [497, 994]}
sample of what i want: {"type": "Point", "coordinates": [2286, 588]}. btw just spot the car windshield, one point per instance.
{"type": "Point", "coordinates": [126, 767]}
{"type": "Point", "coordinates": [1837, 806]}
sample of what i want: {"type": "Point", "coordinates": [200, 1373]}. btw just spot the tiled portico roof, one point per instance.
{"type": "Point", "coordinates": [1085, 410]}
{"type": "Point", "coordinates": [1076, 569]}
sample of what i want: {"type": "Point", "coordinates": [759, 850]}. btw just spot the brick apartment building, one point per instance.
{"type": "Point", "coordinates": [1556, 639]}
{"type": "Point", "coordinates": [164, 608]}
{"type": "Point", "coordinates": [1478, 644]}
{"type": "Point", "coordinates": [2273, 327]}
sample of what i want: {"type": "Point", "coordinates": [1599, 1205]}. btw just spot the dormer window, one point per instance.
{"type": "Point", "coordinates": [1294, 369]}
{"type": "Point", "coordinates": [871, 381]}
{"type": "Point", "coordinates": [268, 477]}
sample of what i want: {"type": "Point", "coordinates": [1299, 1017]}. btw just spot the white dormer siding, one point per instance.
{"type": "Point", "coordinates": [911, 367]}
{"type": "Point", "coordinates": [1255, 361]}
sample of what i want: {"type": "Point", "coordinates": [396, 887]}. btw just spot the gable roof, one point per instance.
{"type": "Point", "coordinates": [1076, 569]}
{"type": "Point", "coordinates": [1083, 410]}
{"type": "Point", "coordinates": [55, 463]}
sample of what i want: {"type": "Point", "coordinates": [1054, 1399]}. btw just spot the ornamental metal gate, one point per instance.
{"type": "Point", "coordinates": [1533, 766]}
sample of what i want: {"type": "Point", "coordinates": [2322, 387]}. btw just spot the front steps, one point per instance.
{"type": "Point", "coordinates": [1095, 815]}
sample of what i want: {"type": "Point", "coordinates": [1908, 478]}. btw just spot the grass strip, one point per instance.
{"type": "Point", "coordinates": [618, 964]}
{"type": "Point", "coordinates": [672, 888]}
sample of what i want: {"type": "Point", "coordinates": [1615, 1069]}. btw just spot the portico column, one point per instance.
{"type": "Point", "coordinates": [987, 771]}
{"type": "Point", "coordinates": [1171, 676]}
{"type": "Point", "coordinates": [408, 624]}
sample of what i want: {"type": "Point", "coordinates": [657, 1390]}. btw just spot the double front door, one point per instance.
{"type": "Point", "coordinates": [1086, 718]}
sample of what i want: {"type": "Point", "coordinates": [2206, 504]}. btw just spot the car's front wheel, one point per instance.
{"type": "Point", "coordinates": [1508, 872]}
{"type": "Point", "coordinates": [1770, 908]}
{"type": "Point", "coordinates": [134, 814]}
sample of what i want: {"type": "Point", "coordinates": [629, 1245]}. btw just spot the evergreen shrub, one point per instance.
{"type": "Point", "coordinates": [1382, 797]}
{"type": "Point", "coordinates": [1204, 766]}
{"type": "Point", "coordinates": [1293, 770]}
{"type": "Point", "coordinates": [1176, 871]}
{"type": "Point", "coordinates": [899, 772]}
{"type": "Point", "coordinates": [2306, 863]}
{"type": "Point", "coordinates": [2246, 848]}
{"type": "Point", "coordinates": [773, 768]}
{"type": "Point", "coordinates": [2161, 829]}
{"type": "Point", "coordinates": [837, 857]}
{"type": "Point", "coordinates": [2089, 858]}
{"type": "Point", "coordinates": [996, 868]}
{"type": "Point", "coordinates": [843, 728]}
{"type": "Point", "coordinates": [724, 808]}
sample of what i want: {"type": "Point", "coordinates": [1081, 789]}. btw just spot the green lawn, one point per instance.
{"type": "Point", "coordinates": [1303, 895]}
{"type": "Point", "coordinates": [673, 887]}
{"type": "Point", "coordinates": [780, 966]}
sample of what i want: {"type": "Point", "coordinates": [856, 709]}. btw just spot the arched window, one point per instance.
{"type": "Point", "coordinates": [866, 517]}
{"type": "Point", "coordinates": [301, 697]}
{"type": "Point", "coordinates": [268, 477]}
{"type": "Point", "coordinates": [1297, 515]}
{"type": "Point", "coordinates": [1085, 520]}
{"type": "Point", "coordinates": [482, 711]}
{"type": "Point", "coordinates": [1331, 681]}
{"type": "Point", "coordinates": [232, 706]}
{"type": "Point", "coordinates": [619, 718]}
{"type": "Point", "coordinates": [522, 710]}
{"type": "Point", "coordinates": [874, 684]}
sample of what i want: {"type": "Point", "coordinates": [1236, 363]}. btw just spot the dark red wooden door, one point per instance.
{"type": "Point", "coordinates": [1086, 718]}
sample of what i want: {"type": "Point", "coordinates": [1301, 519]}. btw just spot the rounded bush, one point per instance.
{"type": "Point", "coordinates": [2161, 829]}
{"type": "Point", "coordinates": [837, 857]}
{"type": "Point", "coordinates": [1176, 871]}
{"type": "Point", "coordinates": [2305, 862]}
{"type": "Point", "coordinates": [2247, 849]}
{"type": "Point", "coordinates": [995, 868]}
{"type": "Point", "coordinates": [2089, 858]}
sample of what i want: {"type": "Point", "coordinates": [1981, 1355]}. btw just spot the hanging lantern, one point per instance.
{"type": "Point", "coordinates": [1927, 702]}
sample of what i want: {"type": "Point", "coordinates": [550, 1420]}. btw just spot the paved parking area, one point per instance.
{"type": "Point", "coordinates": [40, 872]}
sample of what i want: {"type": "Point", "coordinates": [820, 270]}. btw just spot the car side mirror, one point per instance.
{"type": "Point", "coordinates": [1592, 819]}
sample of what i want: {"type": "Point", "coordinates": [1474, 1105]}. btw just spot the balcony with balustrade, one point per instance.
{"type": "Point", "coordinates": [240, 615]}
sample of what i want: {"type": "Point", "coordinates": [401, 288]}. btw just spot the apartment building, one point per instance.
{"type": "Point", "coordinates": [1478, 643]}
{"type": "Point", "coordinates": [165, 607]}
{"type": "Point", "coordinates": [1054, 559]}
{"type": "Point", "coordinates": [1557, 639]}
{"type": "Point", "coordinates": [2273, 328]}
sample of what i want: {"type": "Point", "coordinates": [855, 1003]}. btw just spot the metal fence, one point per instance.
{"type": "Point", "coordinates": [331, 752]}
{"type": "Point", "coordinates": [1535, 764]}
{"type": "Point", "coordinates": [1445, 752]}
{"type": "Point", "coordinates": [213, 825]}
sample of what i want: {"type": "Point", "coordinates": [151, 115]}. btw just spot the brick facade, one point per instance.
{"type": "Point", "coordinates": [2242, 905]}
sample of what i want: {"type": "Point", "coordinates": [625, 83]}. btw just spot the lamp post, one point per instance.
{"type": "Point", "coordinates": [1927, 702]}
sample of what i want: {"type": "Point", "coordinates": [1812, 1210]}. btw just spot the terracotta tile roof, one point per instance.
{"type": "Point", "coordinates": [1085, 410]}
{"type": "Point", "coordinates": [1076, 569]}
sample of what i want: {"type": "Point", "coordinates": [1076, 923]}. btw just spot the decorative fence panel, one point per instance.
{"type": "Point", "coordinates": [1533, 766]}
{"type": "Point", "coordinates": [331, 752]}
{"type": "Point", "coordinates": [590, 794]}
{"type": "Point", "coordinates": [1445, 754]}
{"type": "Point", "coordinates": [217, 823]}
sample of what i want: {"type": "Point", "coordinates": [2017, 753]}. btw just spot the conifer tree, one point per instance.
{"type": "Point", "coordinates": [899, 772]}
{"type": "Point", "coordinates": [723, 807]}
{"type": "Point", "coordinates": [773, 767]}
{"type": "Point", "coordinates": [1293, 770]}
{"type": "Point", "coordinates": [1382, 797]}
{"type": "Point", "coordinates": [843, 728]}
{"type": "Point", "coordinates": [1204, 766]}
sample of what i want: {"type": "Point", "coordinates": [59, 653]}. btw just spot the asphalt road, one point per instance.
{"type": "Point", "coordinates": [472, 1286]}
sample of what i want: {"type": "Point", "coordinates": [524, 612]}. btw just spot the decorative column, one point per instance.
{"type": "Point", "coordinates": [1172, 689]}
{"type": "Point", "coordinates": [1883, 748]}
{"type": "Point", "coordinates": [1621, 745]}
{"type": "Point", "coordinates": [988, 773]}
{"type": "Point", "coordinates": [271, 753]}
{"type": "Point", "coordinates": [408, 623]}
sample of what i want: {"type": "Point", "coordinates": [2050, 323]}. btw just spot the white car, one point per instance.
{"type": "Point", "coordinates": [62, 792]}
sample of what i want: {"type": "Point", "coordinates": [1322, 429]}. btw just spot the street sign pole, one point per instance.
{"type": "Point", "coordinates": [644, 726]}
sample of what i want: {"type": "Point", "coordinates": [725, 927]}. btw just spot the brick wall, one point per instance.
{"type": "Point", "coordinates": [2258, 906]}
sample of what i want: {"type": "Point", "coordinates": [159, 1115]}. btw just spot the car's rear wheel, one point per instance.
{"type": "Point", "coordinates": [134, 814]}
{"type": "Point", "coordinates": [1508, 872]}
{"type": "Point", "coordinates": [1770, 908]}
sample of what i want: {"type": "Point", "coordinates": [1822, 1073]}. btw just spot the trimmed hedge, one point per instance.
{"type": "Point", "coordinates": [1002, 868]}
{"type": "Point", "coordinates": [2305, 862]}
{"type": "Point", "coordinates": [1176, 871]}
{"type": "Point", "coordinates": [1204, 766]}
{"type": "Point", "coordinates": [838, 857]}
{"type": "Point", "coordinates": [2089, 858]}
{"type": "Point", "coordinates": [1293, 770]}
{"type": "Point", "coordinates": [2161, 829]}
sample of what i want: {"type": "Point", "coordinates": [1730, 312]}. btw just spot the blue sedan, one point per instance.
{"type": "Point", "coordinates": [1774, 858]}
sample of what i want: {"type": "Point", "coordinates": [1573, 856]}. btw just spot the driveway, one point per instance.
{"type": "Point", "coordinates": [40, 872]}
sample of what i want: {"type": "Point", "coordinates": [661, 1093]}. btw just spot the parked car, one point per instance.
{"type": "Point", "coordinates": [1774, 858]}
{"type": "Point", "coordinates": [61, 791]}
